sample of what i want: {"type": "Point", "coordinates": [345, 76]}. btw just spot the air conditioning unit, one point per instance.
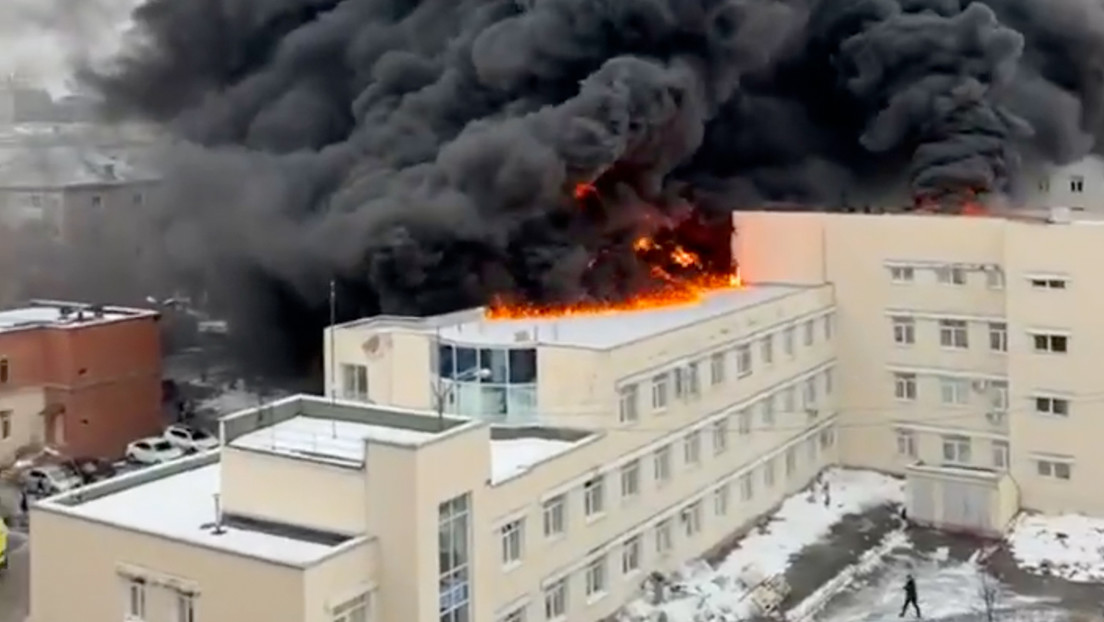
{"type": "Point", "coordinates": [995, 417]}
{"type": "Point", "coordinates": [980, 385]}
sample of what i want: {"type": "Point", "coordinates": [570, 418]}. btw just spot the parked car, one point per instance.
{"type": "Point", "coordinates": [152, 450]}
{"type": "Point", "coordinates": [50, 479]}
{"type": "Point", "coordinates": [190, 439]}
{"type": "Point", "coordinates": [93, 469]}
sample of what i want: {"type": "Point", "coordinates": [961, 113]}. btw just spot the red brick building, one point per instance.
{"type": "Point", "coordinates": [84, 379]}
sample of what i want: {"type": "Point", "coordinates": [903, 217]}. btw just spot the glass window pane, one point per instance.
{"type": "Point", "coordinates": [522, 402]}
{"type": "Point", "coordinates": [469, 400]}
{"type": "Point", "coordinates": [467, 360]}
{"type": "Point", "coordinates": [494, 400]}
{"type": "Point", "coordinates": [523, 366]}
{"type": "Point", "coordinates": [446, 361]}
{"type": "Point", "coordinates": [496, 362]}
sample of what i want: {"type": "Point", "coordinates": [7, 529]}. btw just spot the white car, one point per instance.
{"type": "Point", "coordinates": [153, 450]}
{"type": "Point", "coordinates": [50, 480]}
{"type": "Point", "coordinates": [190, 439]}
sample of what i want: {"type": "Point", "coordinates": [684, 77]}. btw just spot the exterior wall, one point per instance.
{"type": "Point", "coordinates": [398, 364]}
{"type": "Point", "coordinates": [337, 494]}
{"type": "Point", "coordinates": [23, 408]}
{"type": "Point", "coordinates": [340, 578]}
{"type": "Point", "coordinates": [79, 571]}
{"type": "Point", "coordinates": [860, 255]}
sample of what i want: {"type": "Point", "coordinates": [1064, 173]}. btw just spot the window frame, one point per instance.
{"type": "Point", "coordinates": [512, 536]}
{"type": "Point", "coordinates": [554, 516]}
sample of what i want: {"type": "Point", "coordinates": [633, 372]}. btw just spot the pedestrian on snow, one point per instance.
{"type": "Point", "coordinates": [827, 495]}
{"type": "Point", "coordinates": [910, 597]}
{"type": "Point", "coordinates": [23, 502]}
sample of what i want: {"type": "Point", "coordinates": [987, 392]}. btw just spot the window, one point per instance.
{"type": "Point", "coordinates": [954, 391]}
{"type": "Point", "coordinates": [950, 275]}
{"type": "Point", "coordinates": [767, 407]}
{"type": "Point", "coordinates": [1048, 283]}
{"type": "Point", "coordinates": [789, 400]}
{"type": "Point", "coordinates": [788, 337]}
{"type": "Point", "coordinates": [596, 577]}
{"type": "Point", "coordinates": [1057, 406]}
{"type": "Point", "coordinates": [628, 408]}
{"type": "Point", "coordinates": [956, 449]}
{"type": "Point", "coordinates": [630, 555]}
{"type": "Point", "coordinates": [453, 546]}
{"type": "Point", "coordinates": [998, 396]}
{"type": "Point", "coordinates": [994, 278]}
{"type": "Point", "coordinates": [5, 424]}
{"type": "Point", "coordinates": [1077, 183]}
{"type": "Point", "coordinates": [691, 518]}
{"type": "Point", "coordinates": [906, 443]}
{"type": "Point", "coordinates": [1057, 344]}
{"type": "Point", "coordinates": [512, 539]}
{"type": "Point", "coordinates": [953, 334]}
{"type": "Point", "coordinates": [829, 381]}
{"type": "Point", "coordinates": [810, 331]}
{"type": "Point", "coordinates": [811, 449]}
{"type": "Point", "coordinates": [743, 422]}
{"type": "Point", "coordinates": [1058, 469]}
{"type": "Point", "coordinates": [594, 496]}
{"type": "Point", "coordinates": [5, 371]}
{"type": "Point", "coordinates": [998, 337]}
{"type": "Point", "coordinates": [720, 500]}
{"type": "Point", "coordinates": [662, 463]}
{"type": "Point", "coordinates": [827, 438]}
{"type": "Point", "coordinates": [743, 361]}
{"type": "Point", "coordinates": [691, 448]}
{"type": "Point", "coordinates": [135, 600]}
{"type": "Point", "coordinates": [555, 600]}
{"type": "Point", "coordinates": [768, 473]}
{"type": "Point", "coordinates": [828, 327]}
{"type": "Point", "coordinates": [663, 537]}
{"type": "Point", "coordinates": [1000, 455]}
{"type": "Point", "coordinates": [720, 436]}
{"type": "Point", "coordinates": [717, 368]}
{"type": "Point", "coordinates": [97, 200]}
{"type": "Point", "coordinates": [693, 380]}
{"type": "Point", "coordinates": [659, 391]}
{"type": "Point", "coordinates": [630, 479]}
{"type": "Point", "coordinates": [185, 610]}
{"type": "Point", "coordinates": [766, 350]}
{"type": "Point", "coordinates": [354, 382]}
{"type": "Point", "coordinates": [902, 274]}
{"type": "Point", "coordinates": [810, 395]}
{"type": "Point", "coordinates": [747, 488]}
{"type": "Point", "coordinates": [680, 382]}
{"type": "Point", "coordinates": [554, 516]}
{"type": "Point", "coordinates": [791, 462]}
{"type": "Point", "coordinates": [517, 615]}
{"type": "Point", "coordinates": [352, 610]}
{"type": "Point", "coordinates": [904, 331]}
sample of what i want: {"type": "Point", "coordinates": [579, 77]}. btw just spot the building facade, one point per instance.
{"type": "Point", "coordinates": [630, 446]}
{"type": "Point", "coordinates": [83, 379]}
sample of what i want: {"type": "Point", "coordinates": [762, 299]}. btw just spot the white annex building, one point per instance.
{"type": "Point", "coordinates": [461, 469]}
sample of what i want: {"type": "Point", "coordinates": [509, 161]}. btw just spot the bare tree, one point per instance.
{"type": "Point", "coordinates": [989, 596]}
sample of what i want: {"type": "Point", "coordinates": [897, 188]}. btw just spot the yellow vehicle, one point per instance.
{"type": "Point", "coordinates": [3, 545]}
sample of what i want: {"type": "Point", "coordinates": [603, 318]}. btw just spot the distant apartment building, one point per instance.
{"type": "Point", "coordinates": [83, 379]}
{"type": "Point", "coordinates": [570, 457]}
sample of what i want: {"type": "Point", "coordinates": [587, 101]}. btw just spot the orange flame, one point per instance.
{"type": "Point", "coordinates": [584, 190]}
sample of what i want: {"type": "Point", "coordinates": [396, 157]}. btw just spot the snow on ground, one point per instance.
{"type": "Point", "coordinates": [1068, 546]}
{"type": "Point", "coordinates": [802, 520]}
{"type": "Point", "coordinates": [946, 589]}
{"type": "Point", "coordinates": [233, 399]}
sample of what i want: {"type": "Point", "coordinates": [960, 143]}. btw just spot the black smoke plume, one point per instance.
{"type": "Point", "coordinates": [424, 153]}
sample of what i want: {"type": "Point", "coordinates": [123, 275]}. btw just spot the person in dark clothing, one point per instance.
{"type": "Point", "coordinates": [910, 597]}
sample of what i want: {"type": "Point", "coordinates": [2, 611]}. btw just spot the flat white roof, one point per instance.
{"type": "Point", "coordinates": [510, 458]}
{"type": "Point", "coordinates": [608, 330]}
{"type": "Point", "coordinates": [182, 507]}
{"type": "Point", "coordinates": [64, 315]}
{"type": "Point", "coordinates": [325, 440]}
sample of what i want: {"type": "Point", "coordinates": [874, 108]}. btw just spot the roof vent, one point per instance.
{"type": "Point", "coordinates": [218, 529]}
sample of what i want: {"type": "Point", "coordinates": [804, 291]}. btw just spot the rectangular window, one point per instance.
{"type": "Point", "coordinates": [693, 380]}
{"type": "Point", "coordinates": [691, 519]}
{"type": "Point", "coordinates": [747, 488]}
{"type": "Point", "coordinates": [811, 449]}
{"type": "Point", "coordinates": [767, 409]}
{"type": "Point", "coordinates": [810, 332]}
{"type": "Point", "coordinates": [743, 361]}
{"type": "Point", "coordinates": [1058, 469]}
{"type": "Point", "coordinates": [956, 449]}
{"type": "Point", "coordinates": [5, 424]}
{"type": "Point", "coordinates": [628, 408]}
{"type": "Point", "coordinates": [554, 516]}
{"type": "Point", "coordinates": [998, 396]}
{"type": "Point", "coordinates": [517, 615]}
{"type": "Point", "coordinates": [1049, 343]}
{"type": "Point", "coordinates": [659, 391]}
{"type": "Point", "coordinates": [904, 331]}
{"type": "Point", "coordinates": [902, 274]}
{"type": "Point", "coordinates": [135, 600]}
{"type": "Point", "coordinates": [691, 448]}
{"type": "Point", "coordinates": [630, 479]}
{"type": "Point", "coordinates": [827, 438]}
{"type": "Point", "coordinates": [954, 391]}
{"type": "Point", "coordinates": [789, 401]}
{"type": "Point", "coordinates": [555, 600]}
{"type": "Point", "coordinates": [788, 338]}
{"type": "Point", "coordinates": [994, 278]}
{"type": "Point", "coordinates": [354, 382]}
{"type": "Point", "coordinates": [906, 443]}
{"type": "Point", "coordinates": [663, 537]}
{"type": "Point", "coordinates": [766, 350]}
{"type": "Point", "coordinates": [810, 394]}
{"type": "Point", "coordinates": [679, 376]}
{"type": "Point", "coordinates": [717, 368]}
{"type": "Point", "coordinates": [594, 501]}
{"type": "Point", "coordinates": [353, 610]}
{"type": "Point", "coordinates": [1048, 283]}
{"type": "Point", "coordinates": [1056, 406]}
{"type": "Point", "coordinates": [596, 583]}
{"type": "Point", "coordinates": [743, 422]}
{"type": "Point", "coordinates": [768, 473]}
{"type": "Point", "coordinates": [1000, 455]}
{"type": "Point", "coordinates": [950, 275]}
{"type": "Point", "coordinates": [998, 337]}
{"type": "Point", "coordinates": [512, 538]}
{"type": "Point", "coordinates": [954, 334]}
{"type": "Point", "coordinates": [829, 381]}
{"type": "Point", "coordinates": [454, 559]}
{"type": "Point", "coordinates": [662, 463]}
{"type": "Point", "coordinates": [720, 500]}
{"type": "Point", "coordinates": [828, 327]}
{"type": "Point", "coordinates": [791, 462]}
{"type": "Point", "coordinates": [630, 555]}
{"type": "Point", "coordinates": [5, 370]}
{"type": "Point", "coordinates": [1077, 184]}
{"type": "Point", "coordinates": [185, 610]}
{"type": "Point", "coordinates": [720, 436]}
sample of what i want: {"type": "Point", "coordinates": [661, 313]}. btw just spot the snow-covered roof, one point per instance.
{"type": "Point", "coordinates": [512, 457]}
{"type": "Point", "coordinates": [326, 439]}
{"type": "Point", "coordinates": [45, 167]}
{"type": "Point", "coordinates": [610, 330]}
{"type": "Point", "coordinates": [59, 314]}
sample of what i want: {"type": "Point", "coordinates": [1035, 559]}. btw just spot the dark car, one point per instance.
{"type": "Point", "coordinates": [93, 469]}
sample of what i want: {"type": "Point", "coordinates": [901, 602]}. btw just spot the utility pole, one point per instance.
{"type": "Point", "coordinates": [333, 340]}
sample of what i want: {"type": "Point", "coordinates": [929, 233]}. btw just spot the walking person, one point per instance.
{"type": "Point", "coordinates": [910, 597]}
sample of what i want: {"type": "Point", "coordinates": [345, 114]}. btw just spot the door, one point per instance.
{"type": "Point", "coordinates": [966, 505]}
{"type": "Point", "coordinates": [921, 500]}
